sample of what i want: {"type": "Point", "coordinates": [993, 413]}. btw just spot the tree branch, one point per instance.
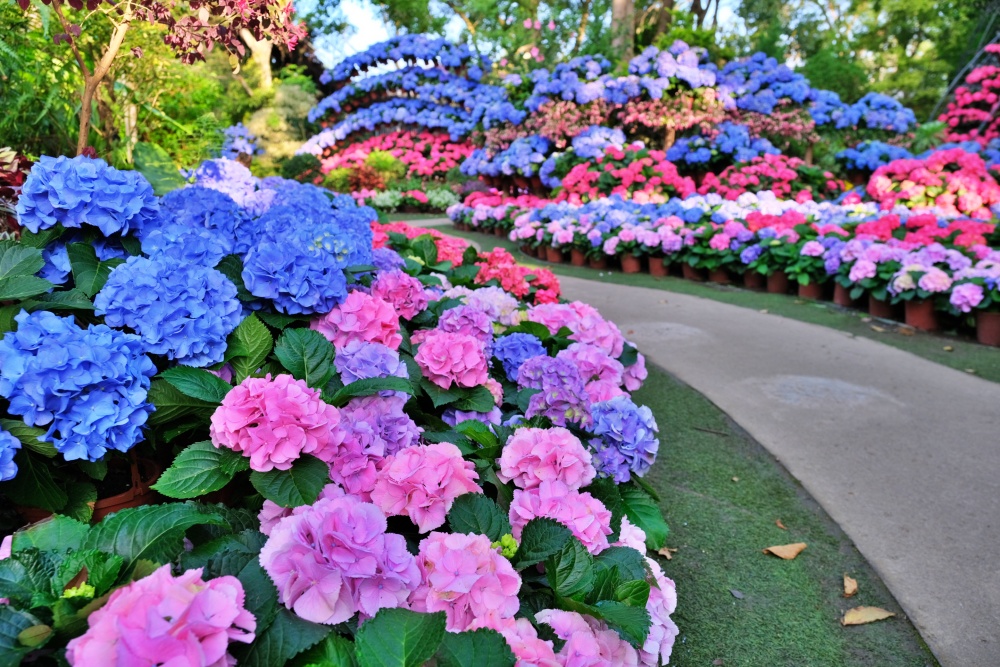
{"type": "Point", "coordinates": [57, 8]}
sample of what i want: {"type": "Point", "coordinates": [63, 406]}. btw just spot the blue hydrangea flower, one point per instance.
{"type": "Point", "coordinates": [8, 448]}
{"type": "Point", "coordinates": [238, 139]}
{"type": "Point", "coordinates": [205, 208]}
{"type": "Point", "coordinates": [626, 442]}
{"type": "Point", "coordinates": [592, 142]}
{"type": "Point", "coordinates": [81, 190]}
{"type": "Point", "coordinates": [387, 259]}
{"type": "Point", "coordinates": [870, 155]}
{"type": "Point", "coordinates": [183, 311]}
{"type": "Point", "coordinates": [57, 267]}
{"type": "Point", "coordinates": [187, 245]}
{"type": "Point", "coordinates": [227, 176]}
{"type": "Point", "coordinates": [89, 386]}
{"type": "Point", "coordinates": [515, 349]}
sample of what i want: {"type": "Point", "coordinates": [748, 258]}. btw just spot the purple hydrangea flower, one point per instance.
{"type": "Point", "coordinates": [515, 349]}
{"type": "Point", "coordinates": [626, 441]}
{"type": "Point", "coordinates": [361, 360]}
{"type": "Point", "coordinates": [562, 395]}
{"type": "Point", "coordinates": [384, 418]}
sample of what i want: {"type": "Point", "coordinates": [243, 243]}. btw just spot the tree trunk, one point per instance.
{"type": "Point", "coordinates": [664, 17]}
{"type": "Point", "coordinates": [622, 27]}
{"type": "Point", "coordinates": [92, 82]}
{"type": "Point", "coordinates": [260, 51]}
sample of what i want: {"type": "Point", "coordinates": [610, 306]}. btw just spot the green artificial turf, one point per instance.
{"type": "Point", "coordinates": [956, 352]}
{"type": "Point", "coordinates": [722, 494]}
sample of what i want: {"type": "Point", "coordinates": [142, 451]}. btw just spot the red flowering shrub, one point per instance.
{"type": "Point", "coordinates": [633, 173]}
{"type": "Point", "coordinates": [534, 284]}
{"type": "Point", "coordinates": [787, 177]}
{"type": "Point", "coordinates": [365, 177]}
{"type": "Point", "coordinates": [425, 154]}
{"type": "Point", "coordinates": [974, 115]}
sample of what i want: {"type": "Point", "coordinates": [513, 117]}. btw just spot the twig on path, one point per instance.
{"type": "Point", "coordinates": [708, 430]}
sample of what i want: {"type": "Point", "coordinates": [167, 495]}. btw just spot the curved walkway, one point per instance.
{"type": "Point", "coordinates": [903, 453]}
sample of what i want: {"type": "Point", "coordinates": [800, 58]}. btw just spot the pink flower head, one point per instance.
{"type": "Point", "coordinates": [663, 631]}
{"type": "Point", "coordinates": [467, 579]}
{"type": "Point", "coordinates": [271, 513]}
{"type": "Point", "coordinates": [635, 374]}
{"type": "Point", "coordinates": [334, 558]}
{"type": "Point", "coordinates": [589, 642]}
{"type": "Point", "coordinates": [535, 455]}
{"type": "Point", "coordinates": [360, 317]}
{"type": "Point", "coordinates": [166, 620]}
{"type": "Point", "coordinates": [966, 296]}
{"type": "Point", "coordinates": [593, 363]}
{"type": "Point", "coordinates": [586, 516]}
{"type": "Point", "coordinates": [813, 249]}
{"type": "Point", "coordinates": [522, 638]}
{"type": "Point", "coordinates": [935, 280]}
{"type": "Point", "coordinates": [273, 422]}
{"type": "Point", "coordinates": [447, 358]}
{"type": "Point", "coordinates": [402, 290]}
{"type": "Point", "coordinates": [422, 482]}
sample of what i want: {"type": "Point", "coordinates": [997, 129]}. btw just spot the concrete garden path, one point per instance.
{"type": "Point", "coordinates": [903, 453]}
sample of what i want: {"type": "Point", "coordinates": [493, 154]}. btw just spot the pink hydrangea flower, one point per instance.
{"type": "Point", "coordinates": [663, 631]}
{"type": "Point", "coordinates": [535, 455]}
{"type": "Point", "coordinates": [966, 296]}
{"type": "Point", "coordinates": [334, 558]}
{"type": "Point", "coordinates": [402, 290]}
{"type": "Point", "coordinates": [467, 579]}
{"type": "Point", "coordinates": [522, 638]}
{"type": "Point", "coordinates": [452, 358]}
{"type": "Point", "coordinates": [166, 620]}
{"type": "Point", "coordinates": [636, 374]}
{"type": "Point", "coordinates": [586, 516]}
{"type": "Point", "coordinates": [589, 642]}
{"type": "Point", "coordinates": [273, 422]}
{"type": "Point", "coordinates": [593, 363]}
{"type": "Point", "coordinates": [422, 482]}
{"type": "Point", "coordinates": [271, 513]}
{"type": "Point", "coordinates": [360, 317]}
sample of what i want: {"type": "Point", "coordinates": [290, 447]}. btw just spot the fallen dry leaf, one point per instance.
{"type": "Point", "coordinates": [717, 662]}
{"type": "Point", "coordinates": [862, 615]}
{"type": "Point", "coordinates": [736, 479]}
{"type": "Point", "coordinates": [667, 552]}
{"type": "Point", "coordinates": [866, 319]}
{"type": "Point", "coordinates": [878, 329]}
{"type": "Point", "coordinates": [777, 522]}
{"type": "Point", "coordinates": [630, 332]}
{"type": "Point", "coordinates": [850, 586]}
{"type": "Point", "coordinates": [906, 331]}
{"type": "Point", "coordinates": [763, 310]}
{"type": "Point", "coordinates": [948, 348]}
{"type": "Point", "coordinates": [971, 371]}
{"type": "Point", "coordinates": [786, 551]}
{"type": "Point", "coordinates": [736, 594]}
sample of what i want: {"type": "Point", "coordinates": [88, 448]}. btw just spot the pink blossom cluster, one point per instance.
{"type": "Point", "coordinates": [602, 374]}
{"type": "Point", "coordinates": [448, 359]}
{"type": "Point", "coordinates": [360, 317]}
{"type": "Point", "coordinates": [536, 455]}
{"type": "Point", "coordinates": [274, 421]}
{"type": "Point", "coordinates": [403, 291]}
{"type": "Point", "coordinates": [778, 173]}
{"type": "Point", "coordinates": [634, 170]}
{"type": "Point", "coordinates": [680, 111]}
{"type": "Point", "coordinates": [589, 642]}
{"type": "Point", "coordinates": [954, 181]}
{"type": "Point", "coordinates": [586, 516]}
{"type": "Point", "coordinates": [334, 558]}
{"type": "Point", "coordinates": [972, 115]}
{"type": "Point", "coordinates": [166, 620]}
{"type": "Point", "coordinates": [450, 248]}
{"type": "Point", "coordinates": [422, 482]}
{"type": "Point", "coordinates": [468, 579]}
{"type": "Point", "coordinates": [500, 265]}
{"type": "Point", "coordinates": [585, 323]}
{"type": "Point", "coordinates": [423, 153]}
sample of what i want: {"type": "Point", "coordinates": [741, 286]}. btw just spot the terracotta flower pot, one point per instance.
{"type": "Point", "coordinates": [499, 231]}
{"type": "Point", "coordinates": [777, 283]}
{"type": "Point", "coordinates": [880, 308]}
{"type": "Point", "coordinates": [754, 280]}
{"type": "Point", "coordinates": [577, 257]}
{"type": "Point", "coordinates": [988, 328]}
{"type": "Point", "coordinates": [554, 255]}
{"type": "Point", "coordinates": [691, 273]}
{"type": "Point", "coordinates": [720, 276]}
{"type": "Point", "coordinates": [631, 264]}
{"type": "Point", "coordinates": [598, 262]}
{"type": "Point", "coordinates": [920, 314]}
{"type": "Point", "coordinates": [842, 296]}
{"type": "Point", "coordinates": [526, 249]}
{"type": "Point", "coordinates": [658, 268]}
{"type": "Point", "coordinates": [812, 291]}
{"type": "Point", "coordinates": [522, 182]}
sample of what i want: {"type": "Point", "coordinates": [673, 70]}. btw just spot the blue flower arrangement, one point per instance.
{"type": "Point", "coordinates": [238, 139]}
{"type": "Point", "coordinates": [759, 83]}
{"type": "Point", "coordinates": [522, 157]}
{"type": "Point", "coordinates": [592, 142]}
{"type": "Point", "coordinates": [515, 349]}
{"type": "Point", "coordinates": [205, 208]}
{"type": "Point", "coordinates": [89, 386]}
{"type": "Point", "coordinates": [8, 448]}
{"type": "Point", "coordinates": [875, 111]}
{"type": "Point", "coordinates": [626, 442]}
{"type": "Point", "coordinates": [410, 47]}
{"type": "Point", "coordinates": [182, 311]}
{"type": "Point", "coordinates": [82, 191]}
{"type": "Point", "coordinates": [870, 155]}
{"type": "Point", "coordinates": [733, 141]}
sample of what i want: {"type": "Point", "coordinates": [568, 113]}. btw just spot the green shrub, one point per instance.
{"type": "Point", "coordinates": [387, 165]}
{"type": "Point", "coordinates": [304, 168]}
{"type": "Point", "coordinates": [338, 180]}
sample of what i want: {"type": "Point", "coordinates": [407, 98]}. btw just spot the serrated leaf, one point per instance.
{"type": "Point", "coordinates": [19, 260]}
{"type": "Point", "coordinates": [299, 485]}
{"type": "Point", "coordinates": [284, 639]}
{"type": "Point", "coordinates": [482, 648]}
{"type": "Point", "coordinates": [197, 383]}
{"type": "Point", "coordinates": [152, 532]}
{"type": "Point", "coordinates": [630, 563]}
{"type": "Point", "coordinates": [33, 485]}
{"type": "Point", "coordinates": [171, 404]}
{"type": "Point", "coordinates": [633, 593]}
{"type": "Point", "coordinates": [279, 320]}
{"type": "Point", "coordinates": [197, 470]}
{"type": "Point", "coordinates": [15, 288]}
{"type": "Point", "coordinates": [102, 570]}
{"type": "Point", "coordinates": [631, 623]}
{"type": "Point", "coordinates": [30, 437]}
{"type": "Point", "coordinates": [22, 575]}
{"type": "Point", "coordinates": [57, 534]}
{"type": "Point", "coordinates": [477, 399]}
{"type": "Point", "coordinates": [80, 500]}
{"type": "Point", "coordinates": [399, 638]}
{"type": "Point", "coordinates": [540, 538]}
{"type": "Point", "coordinates": [89, 273]}
{"type": "Point", "coordinates": [475, 513]}
{"type": "Point", "coordinates": [261, 595]}
{"type": "Point", "coordinates": [248, 347]}
{"type": "Point", "coordinates": [332, 651]}
{"type": "Point", "coordinates": [369, 387]}
{"type": "Point", "coordinates": [40, 239]}
{"type": "Point", "coordinates": [605, 489]}
{"type": "Point", "coordinates": [12, 624]}
{"type": "Point", "coordinates": [570, 571]}
{"type": "Point", "coordinates": [478, 431]}
{"type": "Point", "coordinates": [71, 299]}
{"type": "Point", "coordinates": [439, 397]}
{"type": "Point", "coordinates": [536, 329]}
{"type": "Point", "coordinates": [231, 266]}
{"type": "Point", "coordinates": [307, 355]}
{"type": "Point", "coordinates": [153, 162]}
{"type": "Point", "coordinates": [642, 512]}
